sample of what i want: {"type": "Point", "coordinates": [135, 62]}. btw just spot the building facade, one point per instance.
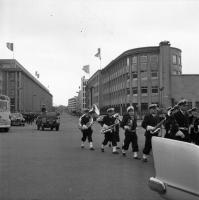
{"type": "Point", "coordinates": [26, 93]}
{"type": "Point", "coordinates": [82, 93]}
{"type": "Point", "coordinates": [72, 104]}
{"type": "Point", "coordinates": [93, 90]}
{"type": "Point", "coordinates": [143, 76]}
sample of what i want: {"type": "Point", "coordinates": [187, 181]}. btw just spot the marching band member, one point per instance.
{"type": "Point", "coordinates": [129, 124]}
{"type": "Point", "coordinates": [180, 130]}
{"type": "Point", "coordinates": [149, 123]}
{"type": "Point", "coordinates": [193, 125]}
{"type": "Point", "coordinates": [85, 123]}
{"type": "Point", "coordinates": [109, 135]}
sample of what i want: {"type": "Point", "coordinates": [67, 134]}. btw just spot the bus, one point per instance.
{"type": "Point", "coordinates": [5, 122]}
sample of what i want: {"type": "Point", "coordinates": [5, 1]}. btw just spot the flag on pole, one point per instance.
{"type": "Point", "coordinates": [36, 74]}
{"type": "Point", "coordinates": [10, 46]}
{"type": "Point", "coordinates": [86, 68]}
{"type": "Point", "coordinates": [98, 54]}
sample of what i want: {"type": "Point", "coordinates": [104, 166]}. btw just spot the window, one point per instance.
{"type": "Point", "coordinates": [127, 91]}
{"type": "Point", "coordinates": [134, 75]}
{"type": "Point", "coordinates": [154, 90]}
{"type": "Point", "coordinates": [174, 59]}
{"type": "Point", "coordinates": [135, 91]}
{"type": "Point", "coordinates": [154, 59]}
{"type": "Point", "coordinates": [144, 90]}
{"type": "Point", "coordinates": [197, 104]}
{"type": "Point", "coordinates": [143, 74]}
{"type": "Point", "coordinates": [154, 74]}
{"type": "Point", "coordinates": [134, 59]}
{"type": "Point", "coordinates": [179, 60]}
{"type": "Point", "coordinates": [143, 59]}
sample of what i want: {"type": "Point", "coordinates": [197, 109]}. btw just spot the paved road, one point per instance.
{"type": "Point", "coordinates": [50, 165]}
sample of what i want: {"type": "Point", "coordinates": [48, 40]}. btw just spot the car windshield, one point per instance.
{"type": "Point", "coordinates": [19, 115]}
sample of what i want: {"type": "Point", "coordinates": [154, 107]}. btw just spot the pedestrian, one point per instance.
{"type": "Point", "coordinates": [109, 122]}
{"type": "Point", "coordinates": [193, 126]}
{"type": "Point", "coordinates": [181, 129]}
{"type": "Point", "coordinates": [85, 125]}
{"type": "Point", "coordinates": [149, 123]}
{"type": "Point", "coordinates": [129, 124]}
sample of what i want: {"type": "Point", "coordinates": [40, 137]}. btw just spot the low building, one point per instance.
{"type": "Point", "coordinates": [26, 93]}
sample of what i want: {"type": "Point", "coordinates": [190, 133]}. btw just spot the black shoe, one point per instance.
{"type": "Point", "coordinates": [115, 152]}
{"type": "Point", "coordinates": [102, 150]}
{"type": "Point", "coordinates": [82, 147]}
{"type": "Point", "coordinates": [109, 145]}
{"type": "Point", "coordinates": [92, 149]}
{"type": "Point", "coordinates": [124, 154]}
{"type": "Point", "coordinates": [136, 158]}
{"type": "Point", "coordinates": [117, 147]}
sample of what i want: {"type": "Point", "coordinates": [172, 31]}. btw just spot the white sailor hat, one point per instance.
{"type": "Point", "coordinates": [153, 105]}
{"type": "Point", "coordinates": [130, 108]}
{"type": "Point", "coordinates": [183, 102]}
{"type": "Point", "coordinates": [110, 109]}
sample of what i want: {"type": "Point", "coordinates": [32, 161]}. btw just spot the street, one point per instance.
{"type": "Point", "coordinates": [50, 165]}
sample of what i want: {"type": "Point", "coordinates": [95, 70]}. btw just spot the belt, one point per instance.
{"type": "Point", "coordinates": [183, 128]}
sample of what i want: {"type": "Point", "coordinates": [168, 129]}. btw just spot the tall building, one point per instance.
{"type": "Point", "coordinates": [146, 75]}
{"type": "Point", "coordinates": [26, 93]}
{"type": "Point", "coordinates": [93, 90]}
{"type": "Point", "coordinates": [72, 104]}
{"type": "Point", "coordinates": [82, 93]}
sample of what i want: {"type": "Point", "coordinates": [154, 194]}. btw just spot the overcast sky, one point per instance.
{"type": "Point", "coordinates": [58, 37]}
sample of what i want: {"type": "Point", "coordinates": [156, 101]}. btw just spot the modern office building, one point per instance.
{"type": "Point", "coordinates": [93, 90]}
{"type": "Point", "coordinates": [26, 93]}
{"type": "Point", "coordinates": [72, 104]}
{"type": "Point", "coordinates": [143, 76]}
{"type": "Point", "coordinates": [82, 93]}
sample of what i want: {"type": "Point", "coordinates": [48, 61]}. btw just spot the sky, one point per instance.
{"type": "Point", "coordinates": [58, 37]}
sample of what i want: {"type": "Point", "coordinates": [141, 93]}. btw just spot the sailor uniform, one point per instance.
{"type": "Point", "coordinates": [129, 125]}
{"type": "Point", "coordinates": [181, 127]}
{"type": "Point", "coordinates": [149, 121]}
{"type": "Point", "coordinates": [86, 131]}
{"type": "Point", "coordinates": [110, 135]}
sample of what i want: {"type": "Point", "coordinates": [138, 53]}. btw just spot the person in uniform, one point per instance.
{"type": "Point", "coordinates": [149, 124]}
{"type": "Point", "coordinates": [129, 124]}
{"type": "Point", "coordinates": [85, 124]}
{"type": "Point", "coordinates": [181, 127]}
{"type": "Point", "coordinates": [110, 133]}
{"type": "Point", "coordinates": [193, 125]}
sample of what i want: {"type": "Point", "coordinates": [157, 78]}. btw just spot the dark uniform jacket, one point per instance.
{"type": "Point", "coordinates": [127, 121]}
{"type": "Point", "coordinates": [84, 119]}
{"type": "Point", "coordinates": [150, 120]}
{"type": "Point", "coordinates": [181, 122]}
{"type": "Point", "coordinates": [108, 120]}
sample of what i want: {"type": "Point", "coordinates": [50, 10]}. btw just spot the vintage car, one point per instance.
{"type": "Point", "coordinates": [48, 120]}
{"type": "Point", "coordinates": [177, 169]}
{"type": "Point", "coordinates": [17, 119]}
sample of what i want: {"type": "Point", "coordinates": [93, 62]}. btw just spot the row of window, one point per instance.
{"type": "Point", "coordinates": [176, 60]}
{"type": "Point", "coordinates": [144, 90]}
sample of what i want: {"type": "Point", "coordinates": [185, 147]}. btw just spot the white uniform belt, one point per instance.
{"type": "Point", "coordinates": [183, 128]}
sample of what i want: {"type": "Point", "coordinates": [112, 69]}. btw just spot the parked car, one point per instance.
{"type": "Point", "coordinates": [48, 120]}
{"type": "Point", "coordinates": [177, 169]}
{"type": "Point", "coordinates": [17, 119]}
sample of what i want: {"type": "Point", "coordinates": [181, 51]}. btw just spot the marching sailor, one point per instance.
{"type": "Point", "coordinates": [193, 125]}
{"type": "Point", "coordinates": [108, 123]}
{"type": "Point", "coordinates": [149, 123]}
{"type": "Point", "coordinates": [85, 124]}
{"type": "Point", "coordinates": [129, 124]}
{"type": "Point", "coordinates": [181, 129]}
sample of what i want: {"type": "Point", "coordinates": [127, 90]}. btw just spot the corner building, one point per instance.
{"type": "Point", "coordinates": [140, 77]}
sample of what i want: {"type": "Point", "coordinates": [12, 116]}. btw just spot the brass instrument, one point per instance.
{"type": "Point", "coordinates": [111, 127]}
